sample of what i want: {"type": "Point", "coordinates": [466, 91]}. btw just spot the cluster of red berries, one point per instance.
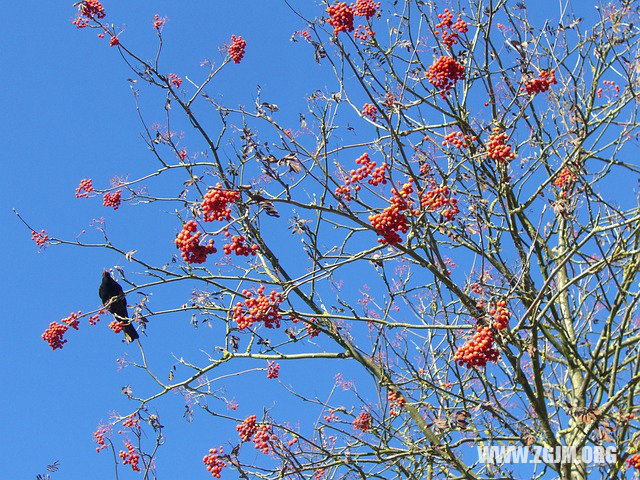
{"type": "Point", "coordinates": [41, 238]}
{"type": "Point", "coordinates": [236, 49]}
{"type": "Point", "coordinates": [392, 219]}
{"type": "Point", "coordinates": [565, 181]}
{"type": "Point", "coordinates": [370, 110]}
{"type": "Point", "coordinates": [330, 417]}
{"type": "Point", "coordinates": [114, 41]}
{"type": "Point", "coordinates": [213, 461]}
{"type": "Point", "coordinates": [364, 33]}
{"type": "Point", "coordinates": [458, 139]}
{"type": "Point", "coordinates": [175, 80]}
{"type": "Point", "coordinates": [88, 9]}
{"type": "Point", "coordinates": [116, 326]}
{"type": "Point", "coordinates": [94, 319]}
{"type": "Point", "coordinates": [112, 200]}
{"type": "Point", "coordinates": [396, 402]}
{"type": "Point", "coordinates": [304, 34]}
{"type": "Point", "coordinates": [130, 457]}
{"type": "Point", "coordinates": [262, 437]}
{"type": "Point", "coordinates": [365, 8]}
{"type": "Point", "coordinates": [444, 73]}
{"type": "Point", "coordinates": [238, 247]}
{"type": "Point", "coordinates": [54, 334]}
{"type": "Point", "coordinates": [260, 308]}
{"type": "Point", "coordinates": [340, 17]}
{"type": "Point", "coordinates": [319, 474]}
{"type": "Point", "coordinates": [92, 9]}
{"type": "Point", "coordinates": [609, 83]}
{"type": "Point", "coordinates": [273, 370]}
{"type": "Point", "coordinates": [188, 242]}
{"type": "Point", "coordinates": [389, 99]}
{"type": "Point", "coordinates": [368, 167]}
{"type": "Point", "coordinates": [363, 422]}
{"type": "Point", "coordinates": [634, 461]}
{"type": "Point", "coordinates": [449, 31]}
{"type": "Point", "coordinates": [497, 149]}
{"type": "Point", "coordinates": [311, 328]}
{"type": "Point", "coordinates": [98, 437]}
{"type": "Point", "coordinates": [72, 320]}
{"type": "Point", "coordinates": [500, 315]}
{"type": "Point", "coordinates": [440, 197]}
{"type": "Point", "coordinates": [132, 422]}
{"type": "Point", "coordinates": [542, 83]}
{"type": "Point", "coordinates": [182, 154]}
{"type": "Point", "coordinates": [477, 351]}
{"type": "Point", "coordinates": [158, 22]}
{"type": "Point", "coordinates": [215, 205]}
{"type": "Point", "coordinates": [85, 187]}
{"type": "Point", "coordinates": [247, 428]}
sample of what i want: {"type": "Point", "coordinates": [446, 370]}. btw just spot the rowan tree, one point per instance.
{"type": "Point", "coordinates": [452, 226]}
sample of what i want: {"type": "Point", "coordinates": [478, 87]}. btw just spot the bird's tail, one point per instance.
{"type": "Point", "coordinates": [130, 333]}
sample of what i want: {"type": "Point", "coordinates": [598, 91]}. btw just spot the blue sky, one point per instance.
{"type": "Point", "coordinates": [68, 115]}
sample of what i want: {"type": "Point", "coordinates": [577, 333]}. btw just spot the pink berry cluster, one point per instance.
{"type": "Point", "coordinates": [236, 49]}
{"type": "Point", "coordinates": [258, 308]}
{"type": "Point", "coordinates": [85, 188]}
{"type": "Point", "coordinates": [188, 242]}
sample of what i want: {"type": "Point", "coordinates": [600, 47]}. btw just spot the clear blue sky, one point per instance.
{"type": "Point", "coordinates": [67, 115]}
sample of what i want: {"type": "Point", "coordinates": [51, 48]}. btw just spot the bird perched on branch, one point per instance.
{"type": "Point", "coordinates": [111, 294]}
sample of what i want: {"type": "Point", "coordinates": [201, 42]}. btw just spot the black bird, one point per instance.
{"type": "Point", "coordinates": [109, 288]}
